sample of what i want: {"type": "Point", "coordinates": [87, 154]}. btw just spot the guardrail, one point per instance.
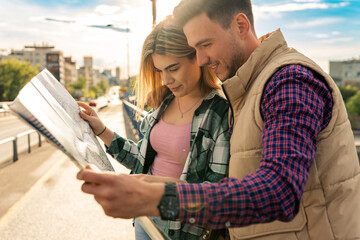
{"type": "Point", "coordinates": [131, 111]}
{"type": "Point", "coordinates": [4, 112]}
{"type": "Point", "coordinates": [14, 140]}
{"type": "Point", "coordinates": [4, 109]}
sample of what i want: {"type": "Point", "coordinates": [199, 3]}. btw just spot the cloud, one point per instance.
{"type": "Point", "coordinates": [314, 23]}
{"type": "Point", "coordinates": [321, 35]}
{"type": "Point", "coordinates": [108, 47]}
{"type": "Point", "coordinates": [307, 0]}
{"type": "Point", "coordinates": [322, 51]}
{"type": "Point", "coordinates": [338, 40]}
{"type": "Point", "coordinates": [106, 9]}
{"type": "Point", "coordinates": [272, 10]}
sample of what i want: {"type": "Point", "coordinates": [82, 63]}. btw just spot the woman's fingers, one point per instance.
{"type": "Point", "coordinates": [88, 110]}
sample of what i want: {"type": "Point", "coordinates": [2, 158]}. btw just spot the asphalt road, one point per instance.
{"type": "Point", "coordinates": [41, 198]}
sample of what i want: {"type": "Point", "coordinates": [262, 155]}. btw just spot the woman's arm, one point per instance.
{"type": "Point", "coordinates": [218, 161]}
{"type": "Point", "coordinates": [156, 179]}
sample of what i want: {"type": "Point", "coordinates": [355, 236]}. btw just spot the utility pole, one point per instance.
{"type": "Point", "coordinates": [154, 11]}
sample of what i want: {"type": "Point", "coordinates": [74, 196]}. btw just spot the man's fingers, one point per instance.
{"type": "Point", "coordinates": [91, 188]}
{"type": "Point", "coordinates": [91, 176]}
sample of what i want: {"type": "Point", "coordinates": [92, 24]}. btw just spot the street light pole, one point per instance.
{"type": "Point", "coordinates": [154, 11]}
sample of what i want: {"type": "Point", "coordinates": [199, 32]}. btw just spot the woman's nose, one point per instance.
{"type": "Point", "coordinates": [166, 78]}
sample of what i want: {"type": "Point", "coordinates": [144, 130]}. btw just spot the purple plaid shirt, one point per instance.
{"type": "Point", "coordinates": [296, 105]}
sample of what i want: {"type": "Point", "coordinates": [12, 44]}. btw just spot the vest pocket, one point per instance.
{"type": "Point", "coordinates": [284, 230]}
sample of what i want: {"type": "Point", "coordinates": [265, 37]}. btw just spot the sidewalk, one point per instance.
{"type": "Point", "coordinates": [41, 199]}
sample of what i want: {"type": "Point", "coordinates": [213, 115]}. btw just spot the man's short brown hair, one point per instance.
{"type": "Point", "coordinates": [221, 11]}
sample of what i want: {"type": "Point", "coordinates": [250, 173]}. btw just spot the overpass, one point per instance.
{"type": "Point", "coordinates": [41, 197]}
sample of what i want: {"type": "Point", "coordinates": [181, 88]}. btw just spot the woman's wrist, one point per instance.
{"type": "Point", "coordinates": [106, 136]}
{"type": "Point", "coordinates": [101, 131]}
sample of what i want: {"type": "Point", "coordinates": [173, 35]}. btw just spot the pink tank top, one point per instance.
{"type": "Point", "coordinates": [172, 144]}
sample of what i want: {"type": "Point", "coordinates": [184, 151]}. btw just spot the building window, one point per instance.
{"type": "Point", "coordinates": [358, 74]}
{"type": "Point", "coordinates": [347, 74]}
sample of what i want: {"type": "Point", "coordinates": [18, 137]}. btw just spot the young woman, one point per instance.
{"type": "Point", "coordinates": [186, 135]}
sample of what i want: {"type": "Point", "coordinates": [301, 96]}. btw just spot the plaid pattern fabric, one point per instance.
{"type": "Point", "coordinates": [295, 106]}
{"type": "Point", "coordinates": [209, 153]}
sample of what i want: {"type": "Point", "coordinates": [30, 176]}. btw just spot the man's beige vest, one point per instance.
{"type": "Point", "coordinates": [330, 205]}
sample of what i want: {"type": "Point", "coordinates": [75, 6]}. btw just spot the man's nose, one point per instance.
{"type": "Point", "coordinates": [201, 58]}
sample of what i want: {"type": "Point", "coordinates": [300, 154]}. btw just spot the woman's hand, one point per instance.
{"type": "Point", "coordinates": [89, 114]}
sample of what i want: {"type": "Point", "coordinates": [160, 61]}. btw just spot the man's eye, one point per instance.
{"type": "Point", "coordinates": [206, 45]}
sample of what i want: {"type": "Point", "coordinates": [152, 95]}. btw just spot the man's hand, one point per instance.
{"type": "Point", "coordinates": [120, 195]}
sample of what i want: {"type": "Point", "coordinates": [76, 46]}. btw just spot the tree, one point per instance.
{"type": "Point", "coordinates": [347, 92]}
{"type": "Point", "coordinates": [103, 87]}
{"type": "Point", "coordinates": [94, 92]}
{"type": "Point", "coordinates": [14, 74]}
{"type": "Point", "coordinates": [353, 105]}
{"type": "Point", "coordinates": [76, 89]}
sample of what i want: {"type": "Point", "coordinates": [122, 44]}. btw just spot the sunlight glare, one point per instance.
{"type": "Point", "coordinates": [165, 8]}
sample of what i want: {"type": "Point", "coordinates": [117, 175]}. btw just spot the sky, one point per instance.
{"type": "Point", "coordinates": [321, 29]}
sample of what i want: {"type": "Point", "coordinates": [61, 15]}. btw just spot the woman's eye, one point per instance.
{"type": "Point", "coordinates": [173, 69]}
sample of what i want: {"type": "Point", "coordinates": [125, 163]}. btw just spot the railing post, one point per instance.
{"type": "Point", "coordinates": [15, 152]}
{"type": "Point", "coordinates": [29, 144]}
{"type": "Point", "coordinates": [39, 139]}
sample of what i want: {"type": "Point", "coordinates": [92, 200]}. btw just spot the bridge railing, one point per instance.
{"type": "Point", "coordinates": [131, 110]}
{"type": "Point", "coordinates": [15, 143]}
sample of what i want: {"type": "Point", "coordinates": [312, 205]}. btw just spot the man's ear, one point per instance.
{"type": "Point", "coordinates": [242, 24]}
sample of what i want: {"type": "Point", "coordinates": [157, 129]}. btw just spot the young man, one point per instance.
{"type": "Point", "coordinates": [294, 171]}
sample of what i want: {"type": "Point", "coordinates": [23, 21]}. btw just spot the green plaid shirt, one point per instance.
{"type": "Point", "coordinates": [209, 154]}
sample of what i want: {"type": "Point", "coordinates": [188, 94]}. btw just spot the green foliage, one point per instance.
{"type": "Point", "coordinates": [14, 74]}
{"type": "Point", "coordinates": [94, 92]}
{"type": "Point", "coordinates": [76, 89]}
{"type": "Point", "coordinates": [103, 87]}
{"type": "Point", "coordinates": [347, 92]}
{"type": "Point", "coordinates": [133, 84]}
{"type": "Point", "coordinates": [353, 105]}
{"type": "Point", "coordinates": [79, 84]}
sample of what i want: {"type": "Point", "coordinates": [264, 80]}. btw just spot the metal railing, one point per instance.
{"type": "Point", "coordinates": [4, 112]}
{"type": "Point", "coordinates": [131, 111]}
{"type": "Point", "coordinates": [14, 140]}
{"type": "Point", "coordinates": [4, 109]}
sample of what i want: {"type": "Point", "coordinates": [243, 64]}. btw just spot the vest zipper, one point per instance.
{"type": "Point", "coordinates": [231, 109]}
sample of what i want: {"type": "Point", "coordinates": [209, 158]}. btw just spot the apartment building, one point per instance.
{"type": "Point", "coordinates": [346, 72]}
{"type": "Point", "coordinates": [42, 56]}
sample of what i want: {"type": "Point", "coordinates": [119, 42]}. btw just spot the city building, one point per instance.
{"type": "Point", "coordinates": [99, 77]}
{"type": "Point", "coordinates": [346, 72]}
{"type": "Point", "coordinates": [87, 71]}
{"type": "Point", "coordinates": [71, 74]}
{"type": "Point", "coordinates": [118, 74]}
{"type": "Point", "coordinates": [42, 56]}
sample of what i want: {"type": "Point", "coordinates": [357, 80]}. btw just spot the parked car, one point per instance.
{"type": "Point", "coordinates": [92, 103]}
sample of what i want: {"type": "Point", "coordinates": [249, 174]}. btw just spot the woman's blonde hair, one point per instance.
{"type": "Point", "coordinates": [166, 39]}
